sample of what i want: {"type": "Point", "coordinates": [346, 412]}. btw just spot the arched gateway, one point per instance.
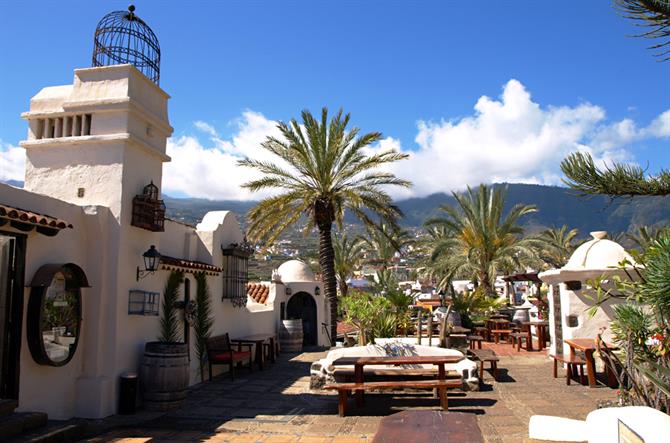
{"type": "Point", "coordinates": [303, 306]}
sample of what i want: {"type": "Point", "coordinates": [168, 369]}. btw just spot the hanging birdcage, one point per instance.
{"type": "Point", "coordinates": [122, 37]}
{"type": "Point", "coordinates": [149, 210]}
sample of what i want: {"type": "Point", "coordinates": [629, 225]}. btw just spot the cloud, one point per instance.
{"type": "Point", "coordinates": [506, 139]}
{"type": "Point", "coordinates": [12, 162]}
{"type": "Point", "coordinates": [514, 139]}
{"type": "Point", "coordinates": [210, 170]}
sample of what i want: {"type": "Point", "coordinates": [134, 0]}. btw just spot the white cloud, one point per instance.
{"type": "Point", "coordinates": [510, 138]}
{"type": "Point", "coordinates": [12, 162]}
{"type": "Point", "coordinates": [210, 170]}
{"type": "Point", "coordinates": [513, 139]}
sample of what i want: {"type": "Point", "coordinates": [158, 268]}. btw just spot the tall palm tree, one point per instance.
{"type": "Point", "coordinates": [324, 171]}
{"type": "Point", "coordinates": [348, 254]}
{"type": "Point", "coordinates": [556, 245]}
{"type": "Point", "coordinates": [479, 240]}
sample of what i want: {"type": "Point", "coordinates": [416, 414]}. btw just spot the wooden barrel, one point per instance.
{"type": "Point", "coordinates": [291, 335]}
{"type": "Point", "coordinates": [164, 375]}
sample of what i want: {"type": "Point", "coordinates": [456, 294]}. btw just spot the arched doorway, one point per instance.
{"type": "Point", "coordinates": [303, 306]}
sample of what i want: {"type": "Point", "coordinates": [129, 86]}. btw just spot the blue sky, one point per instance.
{"type": "Point", "coordinates": [558, 76]}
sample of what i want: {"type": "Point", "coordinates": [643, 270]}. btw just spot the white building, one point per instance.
{"type": "Point", "coordinates": [570, 295]}
{"type": "Point", "coordinates": [70, 281]}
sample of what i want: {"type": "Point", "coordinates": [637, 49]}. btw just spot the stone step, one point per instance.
{"type": "Point", "coordinates": [54, 432]}
{"type": "Point", "coordinates": [7, 406]}
{"type": "Point", "coordinates": [20, 422]}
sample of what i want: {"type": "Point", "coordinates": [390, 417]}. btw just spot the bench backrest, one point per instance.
{"type": "Point", "coordinates": [218, 344]}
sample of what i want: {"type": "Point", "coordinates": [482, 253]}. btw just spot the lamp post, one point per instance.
{"type": "Point", "coordinates": [151, 260]}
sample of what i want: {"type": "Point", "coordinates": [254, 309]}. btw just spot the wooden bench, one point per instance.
{"type": "Point", "coordinates": [497, 333]}
{"type": "Point", "coordinates": [220, 352]}
{"type": "Point", "coordinates": [349, 373]}
{"type": "Point", "coordinates": [482, 356]}
{"type": "Point", "coordinates": [572, 362]}
{"type": "Point", "coordinates": [343, 389]}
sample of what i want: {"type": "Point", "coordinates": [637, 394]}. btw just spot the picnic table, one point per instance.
{"type": "Point", "coordinates": [429, 426]}
{"type": "Point", "coordinates": [359, 375]}
{"type": "Point", "coordinates": [541, 326]}
{"type": "Point", "coordinates": [588, 346]}
{"type": "Point", "coordinates": [259, 341]}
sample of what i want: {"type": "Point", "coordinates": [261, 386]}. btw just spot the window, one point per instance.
{"type": "Point", "coordinates": [236, 272]}
{"type": "Point", "coordinates": [67, 126]}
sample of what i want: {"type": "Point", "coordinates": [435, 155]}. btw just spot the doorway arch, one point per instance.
{"type": "Point", "coordinates": [303, 306]}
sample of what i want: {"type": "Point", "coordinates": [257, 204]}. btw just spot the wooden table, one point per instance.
{"type": "Point", "coordinates": [541, 327]}
{"type": "Point", "coordinates": [360, 362]}
{"type": "Point", "coordinates": [258, 340]}
{"type": "Point", "coordinates": [429, 426]}
{"type": "Point", "coordinates": [588, 346]}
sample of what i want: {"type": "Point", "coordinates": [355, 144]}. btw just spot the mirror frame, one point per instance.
{"type": "Point", "coordinates": [35, 312]}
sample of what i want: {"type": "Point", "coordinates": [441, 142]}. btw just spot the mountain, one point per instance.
{"type": "Point", "coordinates": [557, 206]}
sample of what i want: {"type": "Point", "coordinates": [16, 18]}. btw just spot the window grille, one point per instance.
{"type": "Point", "coordinates": [236, 272]}
{"type": "Point", "coordinates": [143, 302]}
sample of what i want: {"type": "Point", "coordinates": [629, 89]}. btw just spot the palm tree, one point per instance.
{"type": "Point", "coordinates": [556, 245]}
{"type": "Point", "coordinates": [384, 240]}
{"type": "Point", "coordinates": [654, 14]}
{"type": "Point", "coordinates": [348, 255]}
{"type": "Point", "coordinates": [323, 172]}
{"type": "Point", "coordinates": [478, 240]}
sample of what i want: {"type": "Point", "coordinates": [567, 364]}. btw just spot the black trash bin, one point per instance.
{"type": "Point", "coordinates": [128, 393]}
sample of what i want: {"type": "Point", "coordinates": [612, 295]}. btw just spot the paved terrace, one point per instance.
{"type": "Point", "coordinates": [276, 405]}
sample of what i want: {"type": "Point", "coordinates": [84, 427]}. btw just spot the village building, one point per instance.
{"type": "Point", "coordinates": [86, 249]}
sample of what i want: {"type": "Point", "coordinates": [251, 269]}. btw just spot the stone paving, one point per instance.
{"type": "Point", "coordinates": [276, 405]}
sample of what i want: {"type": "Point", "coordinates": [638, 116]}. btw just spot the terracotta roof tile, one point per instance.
{"type": "Point", "coordinates": [172, 263]}
{"type": "Point", "coordinates": [258, 292]}
{"type": "Point", "coordinates": [33, 218]}
{"type": "Point", "coordinates": [343, 328]}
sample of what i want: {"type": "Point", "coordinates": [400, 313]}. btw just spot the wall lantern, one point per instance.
{"type": "Point", "coordinates": [317, 291]}
{"type": "Point", "coordinates": [151, 259]}
{"type": "Point", "coordinates": [288, 291]}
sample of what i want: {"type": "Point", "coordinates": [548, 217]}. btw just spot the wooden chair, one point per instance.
{"type": "Point", "coordinates": [220, 352]}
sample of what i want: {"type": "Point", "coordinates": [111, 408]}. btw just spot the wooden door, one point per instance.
{"type": "Point", "coordinates": [12, 261]}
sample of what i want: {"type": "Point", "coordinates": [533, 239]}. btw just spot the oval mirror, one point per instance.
{"type": "Point", "coordinates": [54, 320]}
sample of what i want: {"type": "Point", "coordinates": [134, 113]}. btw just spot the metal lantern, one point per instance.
{"type": "Point", "coordinates": [317, 291]}
{"type": "Point", "coordinates": [122, 37]}
{"type": "Point", "coordinates": [151, 260]}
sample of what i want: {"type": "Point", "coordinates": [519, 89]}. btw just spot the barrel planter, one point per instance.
{"type": "Point", "coordinates": [291, 335]}
{"type": "Point", "coordinates": [164, 375]}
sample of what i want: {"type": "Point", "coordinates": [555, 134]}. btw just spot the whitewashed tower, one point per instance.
{"type": "Point", "coordinates": [102, 139]}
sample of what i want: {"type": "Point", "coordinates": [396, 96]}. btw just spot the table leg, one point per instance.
{"type": "Point", "coordinates": [590, 367]}
{"type": "Point", "coordinates": [259, 354]}
{"type": "Point", "coordinates": [541, 336]}
{"type": "Point", "coordinates": [529, 340]}
{"type": "Point", "coordinates": [442, 391]}
{"type": "Point", "coordinates": [358, 378]}
{"type": "Point", "coordinates": [273, 350]}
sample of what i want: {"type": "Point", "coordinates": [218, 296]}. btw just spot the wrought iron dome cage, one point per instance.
{"type": "Point", "coordinates": [122, 37]}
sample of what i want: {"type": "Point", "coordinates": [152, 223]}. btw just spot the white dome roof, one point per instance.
{"type": "Point", "coordinates": [295, 271]}
{"type": "Point", "coordinates": [598, 253]}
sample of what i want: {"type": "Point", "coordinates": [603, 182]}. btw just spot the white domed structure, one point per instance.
{"type": "Point", "coordinates": [295, 271]}
{"type": "Point", "coordinates": [599, 253]}
{"type": "Point", "coordinates": [571, 295]}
